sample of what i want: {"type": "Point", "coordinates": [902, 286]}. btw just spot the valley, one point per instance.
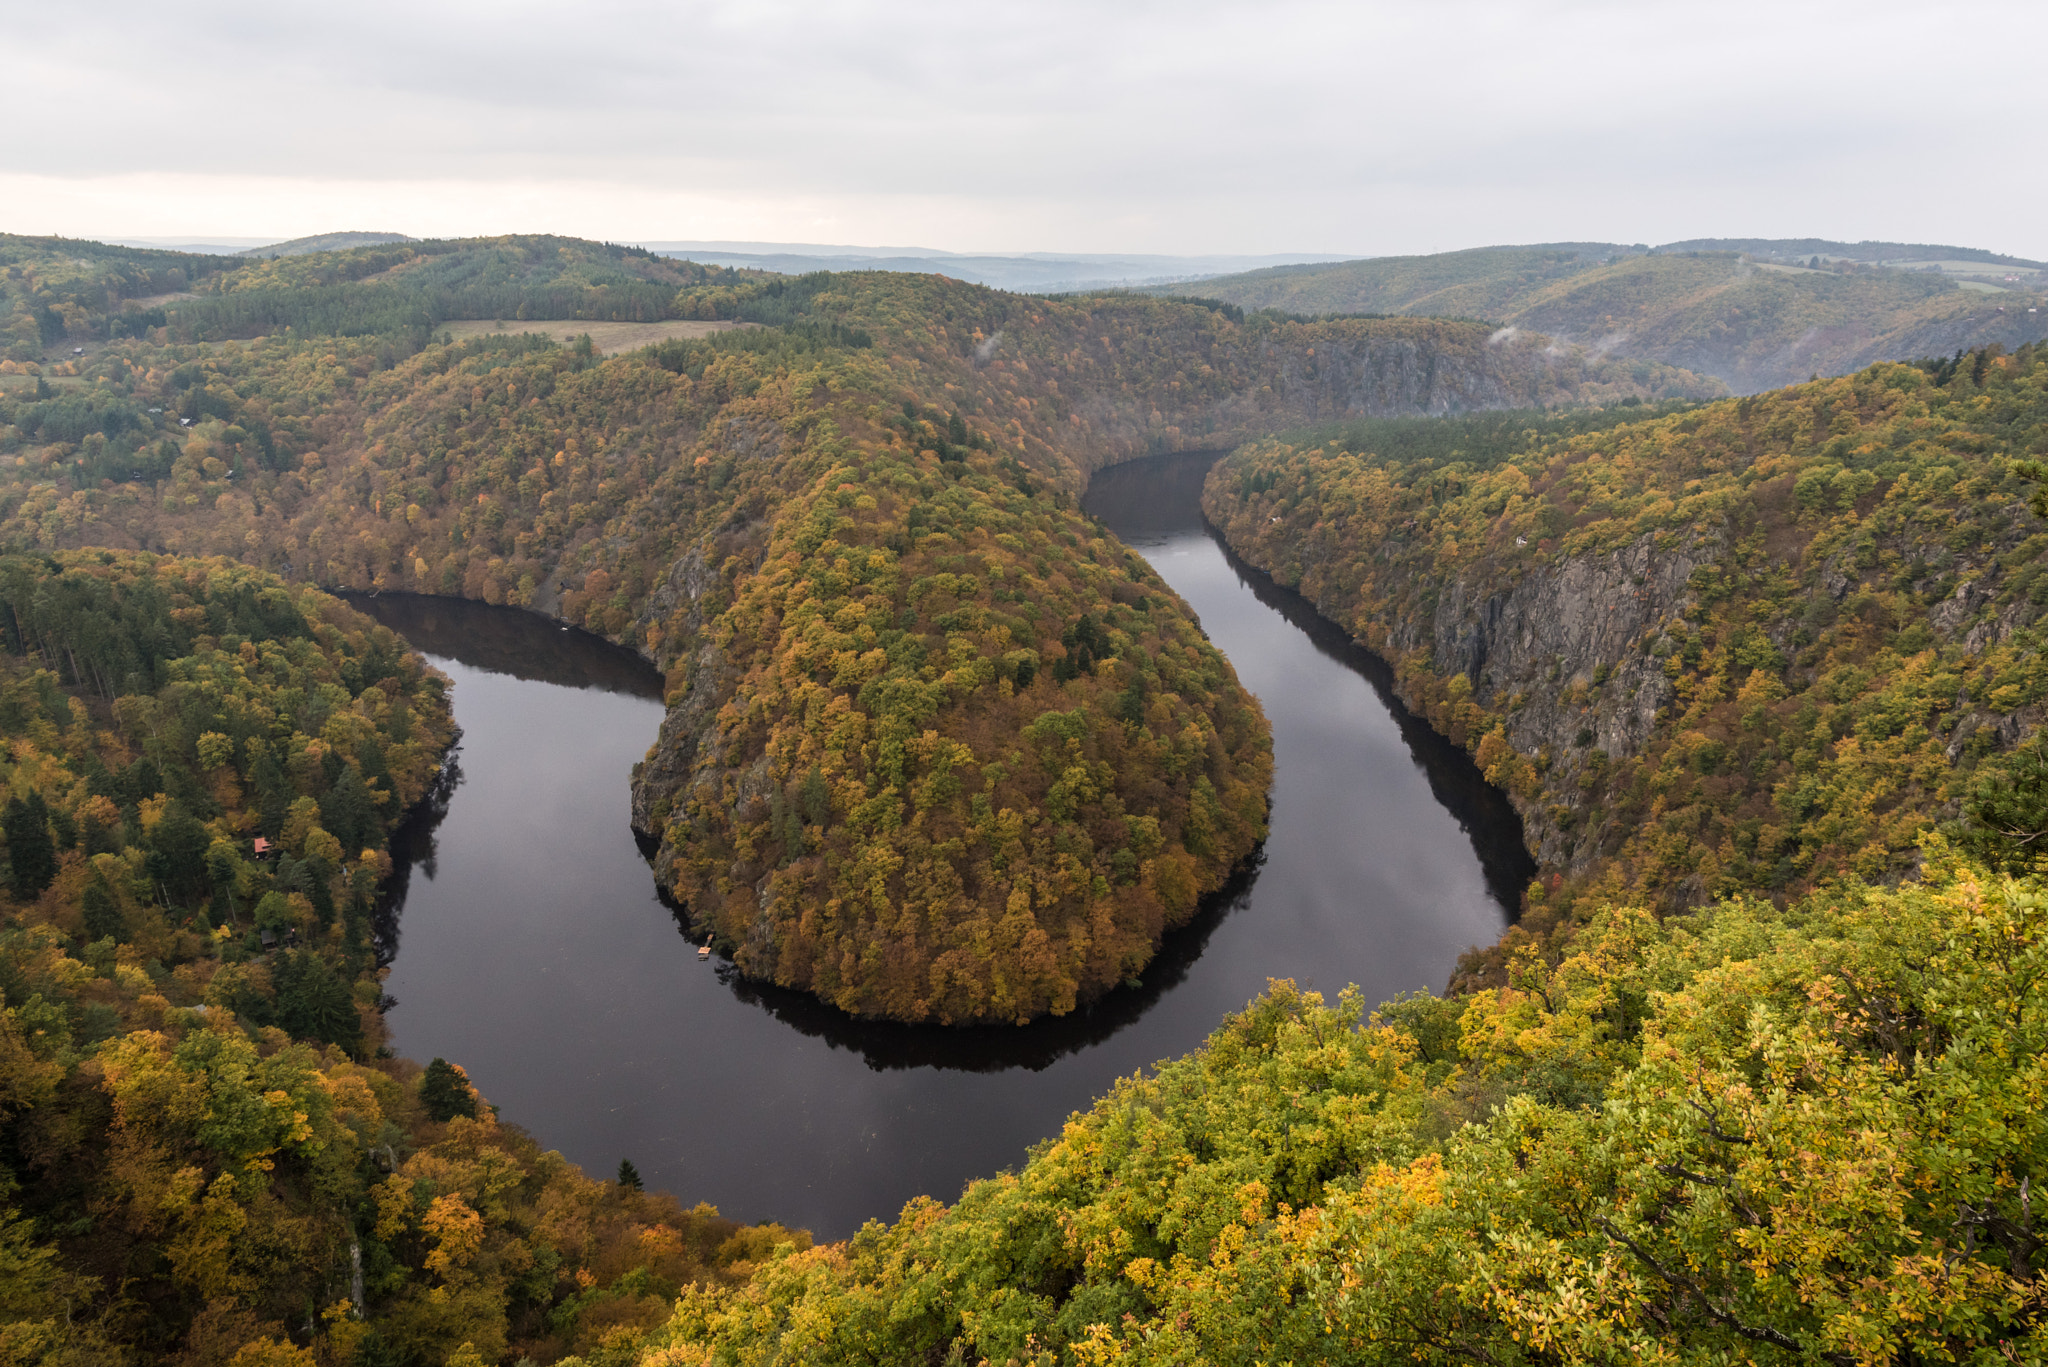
{"type": "Point", "coordinates": [887, 636]}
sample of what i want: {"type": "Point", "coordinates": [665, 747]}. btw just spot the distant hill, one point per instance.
{"type": "Point", "coordinates": [1025, 272]}
{"type": "Point", "coordinates": [325, 242]}
{"type": "Point", "coordinates": [61, 293]}
{"type": "Point", "coordinates": [1755, 313]}
{"type": "Point", "coordinates": [1951, 260]}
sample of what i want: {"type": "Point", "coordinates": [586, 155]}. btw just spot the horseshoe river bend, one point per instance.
{"type": "Point", "coordinates": [526, 940]}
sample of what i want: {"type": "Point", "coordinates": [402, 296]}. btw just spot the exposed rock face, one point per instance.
{"type": "Point", "coordinates": [1373, 372]}
{"type": "Point", "coordinates": [1572, 657]}
{"type": "Point", "coordinates": [1571, 631]}
{"type": "Point", "coordinates": [698, 669]}
{"type": "Point", "coordinates": [1561, 652]}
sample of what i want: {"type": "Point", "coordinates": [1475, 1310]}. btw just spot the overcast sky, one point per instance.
{"type": "Point", "coordinates": [1053, 125]}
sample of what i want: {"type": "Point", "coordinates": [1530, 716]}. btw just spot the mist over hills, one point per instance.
{"type": "Point", "coordinates": [1024, 272]}
{"type": "Point", "coordinates": [1754, 313]}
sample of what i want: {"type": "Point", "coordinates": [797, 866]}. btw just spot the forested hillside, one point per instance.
{"type": "Point", "coordinates": [1755, 1077]}
{"type": "Point", "coordinates": [1750, 317]}
{"type": "Point", "coordinates": [205, 1146]}
{"type": "Point", "coordinates": [1745, 1135]}
{"type": "Point", "coordinates": [325, 242]}
{"type": "Point", "coordinates": [935, 750]}
{"type": "Point", "coordinates": [60, 294]}
{"type": "Point", "coordinates": [1749, 646]}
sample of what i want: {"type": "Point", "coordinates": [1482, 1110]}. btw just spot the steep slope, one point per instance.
{"type": "Point", "coordinates": [1685, 1141]}
{"type": "Point", "coordinates": [1749, 646]}
{"type": "Point", "coordinates": [1755, 321]}
{"type": "Point", "coordinates": [1478, 283]}
{"type": "Point", "coordinates": [1755, 645]}
{"type": "Point", "coordinates": [1966, 263]}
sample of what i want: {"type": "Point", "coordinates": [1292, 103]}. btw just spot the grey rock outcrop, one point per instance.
{"type": "Point", "coordinates": [1566, 654]}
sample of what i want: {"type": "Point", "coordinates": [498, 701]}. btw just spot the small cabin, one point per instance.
{"type": "Point", "coordinates": [268, 938]}
{"type": "Point", "coordinates": [263, 848]}
{"type": "Point", "coordinates": [703, 952]}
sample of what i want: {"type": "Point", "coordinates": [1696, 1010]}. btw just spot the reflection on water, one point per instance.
{"type": "Point", "coordinates": [1489, 819]}
{"type": "Point", "coordinates": [501, 640]}
{"type": "Point", "coordinates": [537, 952]}
{"type": "Point", "coordinates": [886, 1045]}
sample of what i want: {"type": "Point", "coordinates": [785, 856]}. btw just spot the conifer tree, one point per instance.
{"type": "Point", "coordinates": [102, 916]}
{"type": "Point", "coordinates": [445, 1092]}
{"type": "Point", "coordinates": [32, 855]}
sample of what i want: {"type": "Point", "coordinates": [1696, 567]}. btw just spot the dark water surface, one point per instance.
{"type": "Point", "coordinates": [529, 944]}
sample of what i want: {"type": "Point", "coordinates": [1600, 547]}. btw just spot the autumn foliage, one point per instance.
{"type": "Point", "coordinates": [209, 1157]}
{"type": "Point", "coordinates": [1744, 1135]}
{"type": "Point", "coordinates": [1855, 652]}
{"type": "Point", "coordinates": [970, 758]}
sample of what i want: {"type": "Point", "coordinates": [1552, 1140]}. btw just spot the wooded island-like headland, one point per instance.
{"type": "Point", "coordinates": [1755, 1075]}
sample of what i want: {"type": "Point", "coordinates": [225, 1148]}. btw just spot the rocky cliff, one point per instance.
{"type": "Point", "coordinates": [1743, 647]}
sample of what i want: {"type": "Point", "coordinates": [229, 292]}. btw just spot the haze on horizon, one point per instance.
{"type": "Point", "coordinates": [1369, 128]}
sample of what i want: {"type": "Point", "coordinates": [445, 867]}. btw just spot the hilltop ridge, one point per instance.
{"type": "Point", "coordinates": [1754, 313]}
{"type": "Point", "coordinates": [325, 242]}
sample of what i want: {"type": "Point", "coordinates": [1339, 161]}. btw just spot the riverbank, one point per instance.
{"type": "Point", "coordinates": [538, 954]}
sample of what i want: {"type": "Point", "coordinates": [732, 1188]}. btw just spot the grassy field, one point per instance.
{"type": "Point", "coordinates": [611, 338]}
{"type": "Point", "coordinates": [15, 384]}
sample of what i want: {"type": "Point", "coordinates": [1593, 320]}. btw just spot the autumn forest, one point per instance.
{"type": "Point", "coordinates": [1752, 1076]}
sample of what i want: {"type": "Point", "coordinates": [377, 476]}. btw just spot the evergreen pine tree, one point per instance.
{"type": "Point", "coordinates": [445, 1092]}
{"type": "Point", "coordinates": [31, 854]}
{"type": "Point", "coordinates": [178, 847]}
{"type": "Point", "coordinates": [273, 793]}
{"type": "Point", "coordinates": [2006, 816]}
{"type": "Point", "coordinates": [629, 1176]}
{"type": "Point", "coordinates": [349, 813]}
{"type": "Point", "coordinates": [102, 916]}
{"type": "Point", "coordinates": [314, 1002]}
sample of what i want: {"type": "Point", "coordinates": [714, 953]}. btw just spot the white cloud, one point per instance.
{"type": "Point", "coordinates": [1369, 127]}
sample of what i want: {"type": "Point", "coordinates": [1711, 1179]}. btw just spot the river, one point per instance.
{"type": "Point", "coordinates": [528, 944]}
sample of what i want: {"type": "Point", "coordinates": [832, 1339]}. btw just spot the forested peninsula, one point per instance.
{"type": "Point", "coordinates": [1755, 1077]}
